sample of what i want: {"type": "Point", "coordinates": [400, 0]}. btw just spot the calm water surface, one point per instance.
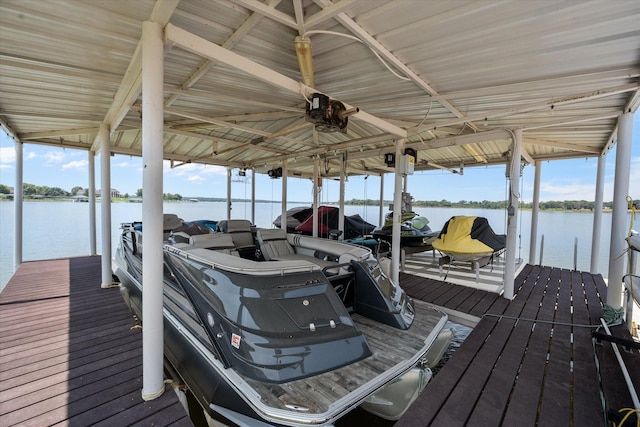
{"type": "Point", "coordinates": [61, 229]}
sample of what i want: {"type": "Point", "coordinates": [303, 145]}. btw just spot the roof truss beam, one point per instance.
{"type": "Point", "coordinates": [237, 35]}
{"type": "Point", "coordinates": [370, 41]}
{"type": "Point", "coordinates": [131, 84]}
{"type": "Point", "coordinates": [207, 49]}
{"type": "Point", "coordinates": [525, 108]}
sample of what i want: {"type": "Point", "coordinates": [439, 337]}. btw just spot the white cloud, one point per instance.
{"type": "Point", "coordinates": [7, 157]}
{"type": "Point", "coordinates": [53, 157]}
{"type": "Point", "coordinates": [566, 190]}
{"type": "Point", "coordinates": [76, 164]}
{"type": "Point", "coordinates": [193, 173]}
{"type": "Point", "coordinates": [196, 179]}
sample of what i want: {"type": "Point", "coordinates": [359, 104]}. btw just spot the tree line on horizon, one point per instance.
{"type": "Point", "coordinates": [30, 190]}
{"type": "Point", "coordinates": [566, 205]}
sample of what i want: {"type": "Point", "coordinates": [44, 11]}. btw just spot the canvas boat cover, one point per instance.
{"type": "Point", "coordinates": [469, 235]}
{"type": "Point", "coordinates": [354, 225]}
{"type": "Point", "coordinates": [295, 217]}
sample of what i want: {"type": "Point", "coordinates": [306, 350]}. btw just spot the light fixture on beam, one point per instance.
{"type": "Point", "coordinates": [305, 60]}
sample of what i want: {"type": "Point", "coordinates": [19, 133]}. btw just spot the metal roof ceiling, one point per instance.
{"type": "Point", "coordinates": [454, 75]}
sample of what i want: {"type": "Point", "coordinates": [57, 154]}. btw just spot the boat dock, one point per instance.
{"type": "Point", "coordinates": [530, 361]}
{"type": "Point", "coordinates": [68, 353]}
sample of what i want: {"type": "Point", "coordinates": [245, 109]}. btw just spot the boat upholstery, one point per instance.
{"type": "Point", "coordinates": [276, 244]}
{"type": "Point", "coordinates": [170, 222]}
{"type": "Point", "coordinates": [342, 252]}
{"type": "Point", "coordinates": [213, 241]}
{"type": "Point", "coordinates": [240, 231]}
{"type": "Point", "coordinates": [223, 261]}
{"type": "Point", "coordinates": [273, 244]}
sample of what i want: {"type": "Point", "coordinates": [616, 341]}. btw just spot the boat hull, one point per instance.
{"type": "Point", "coordinates": [228, 395]}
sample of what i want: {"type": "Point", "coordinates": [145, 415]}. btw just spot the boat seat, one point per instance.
{"type": "Point", "coordinates": [169, 223]}
{"type": "Point", "coordinates": [273, 244]}
{"type": "Point", "coordinates": [218, 242]}
{"type": "Point", "coordinates": [240, 231]}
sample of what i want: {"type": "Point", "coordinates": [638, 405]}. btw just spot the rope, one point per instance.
{"type": "Point", "coordinates": [629, 412]}
{"type": "Point", "coordinates": [550, 322]}
{"type": "Point", "coordinates": [613, 316]}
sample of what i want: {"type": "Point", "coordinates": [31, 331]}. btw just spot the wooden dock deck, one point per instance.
{"type": "Point", "coordinates": [530, 361]}
{"type": "Point", "coordinates": [68, 355]}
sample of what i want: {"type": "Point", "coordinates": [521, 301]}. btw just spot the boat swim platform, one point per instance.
{"type": "Point", "coordinates": [527, 362]}
{"type": "Point", "coordinates": [68, 353]}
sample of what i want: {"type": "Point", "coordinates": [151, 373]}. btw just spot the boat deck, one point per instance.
{"type": "Point", "coordinates": [390, 346]}
{"type": "Point", "coordinates": [530, 361]}
{"type": "Point", "coordinates": [68, 354]}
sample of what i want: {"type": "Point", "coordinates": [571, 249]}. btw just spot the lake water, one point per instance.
{"type": "Point", "coordinates": [61, 229]}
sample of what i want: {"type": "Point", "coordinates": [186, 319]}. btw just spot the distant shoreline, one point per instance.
{"type": "Point", "coordinates": [446, 205]}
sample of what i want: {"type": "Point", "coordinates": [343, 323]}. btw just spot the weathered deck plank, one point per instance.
{"type": "Point", "coordinates": [529, 361]}
{"type": "Point", "coordinates": [67, 354]}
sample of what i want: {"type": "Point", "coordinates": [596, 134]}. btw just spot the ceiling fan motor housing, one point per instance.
{"type": "Point", "coordinates": [326, 114]}
{"type": "Point", "coordinates": [318, 107]}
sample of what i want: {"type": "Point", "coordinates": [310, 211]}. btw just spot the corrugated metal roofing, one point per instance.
{"type": "Point", "coordinates": [561, 71]}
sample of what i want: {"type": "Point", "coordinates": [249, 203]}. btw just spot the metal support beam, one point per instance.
{"type": "Point", "coordinates": [229, 173]}
{"type": "Point", "coordinates": [381, 210]}
{"type": "Point", "coordinates": [512, 216]}
{"type": "Point", "coordinates": [619, 213]}
{"type": "Point", "coordinates": [207, 49]}
{"type": "Point", "coordinates": [18, 193]}
{"type": "Point", "coordinates": [92, 202]}
{"type": "Point", "coordinates": [533, 240]}
{"type": "Point", "coordinates": [105, 204]}
{"type": "Point", "coordinates": [152, 210]}
{"type": "Point", "coordinates": [341, 203]}
{"type": "Point", "coordinates": [597, 216]}
{"type": "Point", "coordinates": [397, 212]}
{"type": "Point", "coordinates": [316, 193]}
{"type": "Point", "coordinates": [283, 213]}
{"type": "Point", "coordinates": [253, 196]}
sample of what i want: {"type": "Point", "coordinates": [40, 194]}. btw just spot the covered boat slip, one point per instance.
{"type": "Point", "coordinates": [530, 361]}
{"type": "Point", "coordinates": [505, 368]}
{"type": "Point", "coordinates": [393, 350]}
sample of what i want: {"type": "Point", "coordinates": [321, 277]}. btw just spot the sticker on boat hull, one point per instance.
{"type": "Point", "coordinates": [235, 340]}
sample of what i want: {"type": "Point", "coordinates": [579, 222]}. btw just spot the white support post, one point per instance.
{"type": "Point", "coordinates": [283, 213]}
{"type": "Point", "coordinates": [316, 193]}
{"type": "Point", "coordinates": [597, 216]}
{"type": "Point", "coordinates": [533, 240]}
{"type": "Point", "coordinates": [105, 205]}
{"type": "Point", "coordinates": [152, 210]}
{"type": "Point", "coordinates": [18, 197]}
{"type": "Point", "coordinates": [619, 213]}
{"type": "Point", "coordinates": [381, 212]}
{"type": "Point", "coordinates": [228, 194]}
{"type": "Point", "coordinates": [397, 212]}
{"type": "Point", "coordinates": [92, 202]}
{"type": "Point", "coordinates": [253, 196]}
{"type": "Point", "coordinates": [341, 203]}
{"type": "Point", "coordinates": [512, 221]}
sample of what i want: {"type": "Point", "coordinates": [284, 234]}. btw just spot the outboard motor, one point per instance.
{"type": "Point", "coordinates": [379, 298]}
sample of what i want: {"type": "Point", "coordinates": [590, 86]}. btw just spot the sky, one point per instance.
{"type": "Point", "coordinates": [560, 180]}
